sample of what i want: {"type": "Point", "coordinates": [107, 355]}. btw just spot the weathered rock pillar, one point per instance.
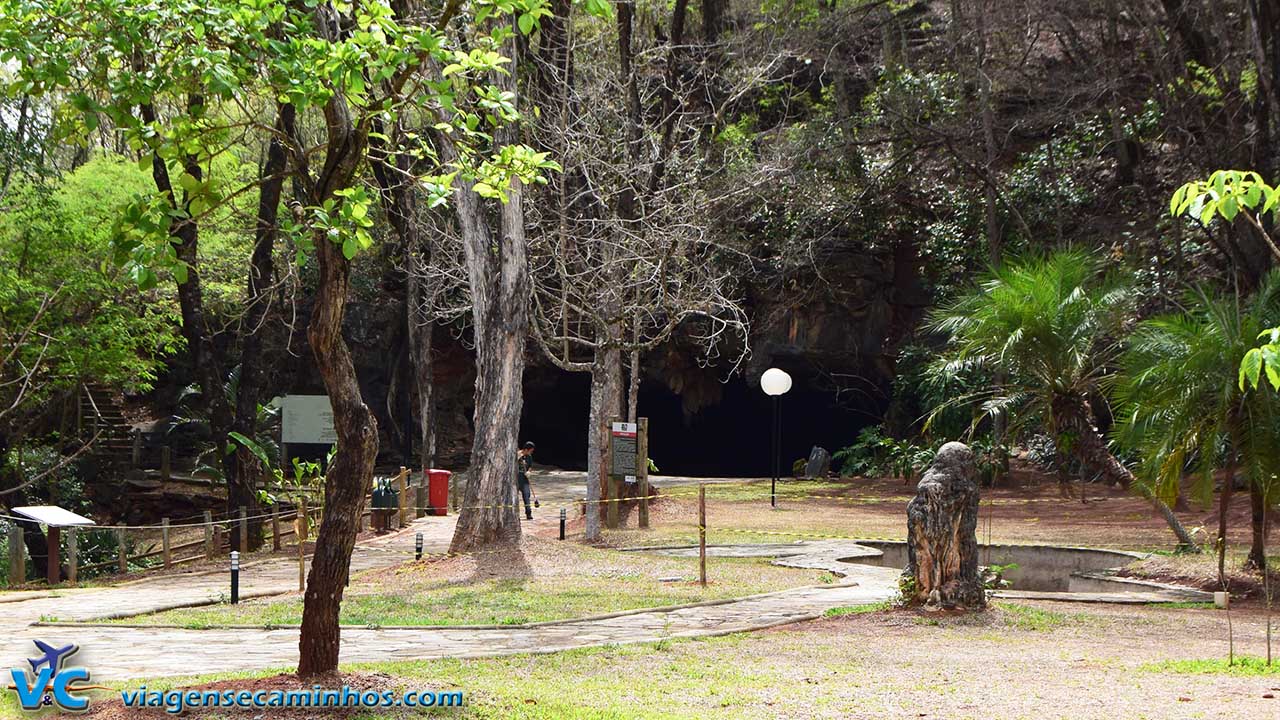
{"type": "Point", "coordinates": [942, 540]}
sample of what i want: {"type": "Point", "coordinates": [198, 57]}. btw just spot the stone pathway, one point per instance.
{"type": "Point", "coordinates": [116, 653]}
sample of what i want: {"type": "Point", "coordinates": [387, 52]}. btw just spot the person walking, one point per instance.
{"type": "Point", "coordinates": [524, 462]}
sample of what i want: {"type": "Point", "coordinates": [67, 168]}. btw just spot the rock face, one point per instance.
{"type": "Point", "coordinates": [942, 542]}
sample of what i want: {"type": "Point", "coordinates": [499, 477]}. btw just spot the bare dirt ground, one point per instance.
{"type": "Point", "coordinates": [1074, 661]}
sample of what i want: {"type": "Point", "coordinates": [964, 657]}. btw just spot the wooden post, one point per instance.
{"type": "Point", "coordinates": [73, 556]}
{"type": "Point", "coordinates": [702, 534]}
{"type": "Point", "coordinates": [164, 542]}
{"type": "Point", "coordinates": [210, 550]}
{"type": "Point", "coordinates": [642, 468]}
{"type": "Point", "coordinates": [300, 530]}
{"type": "Point", "coordinates": [122, 552]}
{"type": "Point", "coordinates": [53, 572]}
{"type": "Point", "coordinates": [275, 527]}
{"type": "Point", "coordinates": [305, 518]}
{"type": "Point", "coordinates": [17, 561]}
{"type": "Point", "coordinates": [420, 498]}
{"type": "Point", "coordinates": [603, 510]}
{"type": "Point", "coordinates": [610, 494]}
{"type": "Point", "coordinates": [244, 529]}
{"type": "Point", "coordinates": [402, 481]}
{"type": "Point", "coordinates": [136, 456]}
{"type": "Point", "coordinates": [166, 469]}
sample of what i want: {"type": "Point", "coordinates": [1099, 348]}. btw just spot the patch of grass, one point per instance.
{"type": "Point", "coordinates": [419, 598]}
{"type": "Point", "coordinates": [1243, 665]}
{"type": "Point", "coordinates": [1024, 617]}
{"type": "Point", "coordinates": [857, 609]}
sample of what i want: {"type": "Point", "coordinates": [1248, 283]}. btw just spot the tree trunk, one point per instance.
{"type": "Point", "coordinates": [606, 403]}
{"type": "Point", "coordinates": [261, 272]}
{"type": "Point", "coordinates": [350, 475]}
{"type": "Point", "coordinates": [394, 175]}
{"type": "Point", "coordinates": [1258, 522]}
{"type": "Point", "coordinates": [498, 276]}
{"type": "Point", "coordinates": [420, 332]}
{"type": "Point", "coordinates": [1074, 416]}
{"type": "Point", "coordinates": [206, 362]}
{"type": "Point", "coordinates": [942, 540]}
{"type": "Point", "coordinates": [1224, 504]}
{"type": "Point", "coordinates": [633, 385]}
{"type": "Point", "coordinates": [500, 304]}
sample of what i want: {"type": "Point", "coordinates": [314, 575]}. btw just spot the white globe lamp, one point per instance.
{"type": "Point", "coordinates": [775, 383]}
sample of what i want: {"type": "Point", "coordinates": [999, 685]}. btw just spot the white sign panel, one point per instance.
{"type": "Point", "coordinates": [622, 429]}
{"type": "Point", "coordinates": [307, 419]}
{"type": "Point", "coordinates": [53, 516]}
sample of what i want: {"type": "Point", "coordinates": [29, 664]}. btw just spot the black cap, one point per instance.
{"type": "Point", "coordinates": [528, 445]}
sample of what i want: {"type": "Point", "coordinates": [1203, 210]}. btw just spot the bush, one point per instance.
{"type": "Point", "coordinates": [874, 454]}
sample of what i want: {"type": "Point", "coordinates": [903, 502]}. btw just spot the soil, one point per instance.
{"type": "Point", "coordinates": [912, 664]}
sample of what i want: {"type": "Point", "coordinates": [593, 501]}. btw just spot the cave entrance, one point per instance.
{"type": "Point", "coordinates": [730, 438]}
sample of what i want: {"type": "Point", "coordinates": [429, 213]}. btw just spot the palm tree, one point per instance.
{"type": "Point", "coordinates": [1183, 405]}
{"type": "Point", "coordinates": [1047, 328]}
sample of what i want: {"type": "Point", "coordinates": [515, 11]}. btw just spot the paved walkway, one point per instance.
{"type": "Point", "coordinates": [115, 653]}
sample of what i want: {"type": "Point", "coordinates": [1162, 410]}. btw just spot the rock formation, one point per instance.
{"type": "Point", "coordinates": [942, 542]}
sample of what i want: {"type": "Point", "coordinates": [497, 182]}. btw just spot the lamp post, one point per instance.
{"type": "Point", "coordinates": [775, 384]}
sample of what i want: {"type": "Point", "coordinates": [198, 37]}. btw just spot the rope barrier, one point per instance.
{"type": "Point", "coordinates": [713, 489]}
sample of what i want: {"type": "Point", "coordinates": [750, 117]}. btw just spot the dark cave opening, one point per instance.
{"type": "Point", "coordinates": [730, 438]}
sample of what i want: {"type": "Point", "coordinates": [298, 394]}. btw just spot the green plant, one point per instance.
{"type": "Point", "coordinates": [875, 454]}
{"type": "Point", "coordinates": [993, 576]}
{"type": "Point", "coordinates": [1181, 410]}
{"type": "Point", "coordinates": [1242, 665]}
{"type": "Point", "coordinates": [194, 416]}
{"type": "Point", "coordinates": [857, 609]}
{"type": "Point", "coordinates": [1046, 328]}
{"type": "Point", "coordinates": [797, 467]}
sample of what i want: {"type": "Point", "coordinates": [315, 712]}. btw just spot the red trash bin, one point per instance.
{"type": "Point", "coordinates": [438, 491]}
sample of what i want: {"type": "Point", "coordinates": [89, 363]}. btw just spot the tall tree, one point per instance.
{"type": "Point", "coordinates": [228, 65]}
{"type": "Point", "coordinates": [621, 261]}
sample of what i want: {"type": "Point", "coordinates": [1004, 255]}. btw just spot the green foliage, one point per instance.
{"type": "Point", "coordinates": [1181, 407]}
{"type": "Point", "coordinates": [993, 576]}
{"type": "Point", "coordinates": [904, 97]}
{"type": "Point", "coordinates": [64, 317]}
{"type": "Point", "coordinates": [1261, 361]}
{"type": "Point", "coordinates": [1226, 194]}
{"type": "Point", "coordinates": [1047, 326]}
{"type": "Point", "coordinates": [205, 74]}
{"type": "Point", "coordinates": [1051, 182]}
{"type": "Point", "coordinates": [874, 454]}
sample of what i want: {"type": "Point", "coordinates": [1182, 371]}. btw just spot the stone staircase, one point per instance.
{"type": "Point", "coordinates": [100, 414]}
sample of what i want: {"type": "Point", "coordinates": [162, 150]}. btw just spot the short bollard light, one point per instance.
{"type": "Point", "coordinates": [417, 547]}
{"type": "Point", "coordinates": [562, 519]}
{"type": "Point", "coordinates": [235, 577]}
